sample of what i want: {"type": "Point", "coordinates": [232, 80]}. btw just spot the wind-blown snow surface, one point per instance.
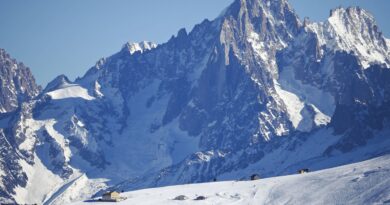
{"type": "Point", "coordinates": [366, 182]}
{"type": "Point", "coordinates": [70, 91]}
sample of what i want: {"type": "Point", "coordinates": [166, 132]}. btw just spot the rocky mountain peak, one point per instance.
{"type": "Point", "coordinates": [265, 27]}
{"type": "Point", "coordinates": [353, 18]}
{"type": "Point", "coordinates": [17, 83]}
{"type": "Point", "coordinates": [265, 16]}
{"type": "Point", "coordinates": [352, 12]}
{"type": "Point", "coordinates": [3, 54]}
{"type": "Point", "coordinates": [141, 46]}
{"type": "Point", "coordinates": [220, 101]}
{"type": "Point", "coordinates": [256, 8]}
{"type": "Point", "coordinates": [354, 30]}
{"type": "Point", "coordinates": [59, 82]}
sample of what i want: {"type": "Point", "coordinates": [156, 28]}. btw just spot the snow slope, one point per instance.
{"type": "Point", "coordinates": [70, 91]}
{"type": "Point", "coordinates": [366, 182]}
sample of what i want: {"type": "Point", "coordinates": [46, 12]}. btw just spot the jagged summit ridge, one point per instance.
{"type": "Point", "coordinates": [274, 9]}
{"type": "Point", "coordinates": [262, 25]}
{"type": "Point", "coordinates": [254, 90]}
{"type": "Point", "coordinates": [353, 30]}
{"type": "Point", "coordinates": [141, 46]}
{"type": "Point", "coordinates": [17, 83]}
{"type": "Point", "coordinates": [58, 83]}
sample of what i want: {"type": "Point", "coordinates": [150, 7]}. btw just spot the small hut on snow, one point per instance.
{"type": "Point", "coordinates": [112, 196]}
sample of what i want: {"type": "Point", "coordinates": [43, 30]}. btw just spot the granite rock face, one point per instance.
{"type": "Point", "coordinates": [17, 87]}
{"type": "Point", "coordinates": [253, 91]}
{"type": "Point", "coordinates": [17, 83]}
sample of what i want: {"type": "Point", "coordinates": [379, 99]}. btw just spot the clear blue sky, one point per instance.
{"type": "Point", "coordinates": [67, 37]}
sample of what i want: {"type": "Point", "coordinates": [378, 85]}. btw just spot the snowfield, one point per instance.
{"type": "Point", "coordinates": [70, 91]}
{"type": "Point", "coordinates": [366, 182]}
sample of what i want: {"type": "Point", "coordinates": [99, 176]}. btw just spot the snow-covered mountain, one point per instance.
{"type": "Point", "coordinates": [255, 90]}
{"type": "Point", "coordinates": [362, 183]}
{"type": "Point", "coordinates": [17, 85]}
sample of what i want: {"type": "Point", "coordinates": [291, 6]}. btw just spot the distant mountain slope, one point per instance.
{"type": "Point", "coordinates": [17, 86]}
{"type": "Point", "coordinates": [255, 90]}
{"type": "Point", "coordinates": [362, 183]}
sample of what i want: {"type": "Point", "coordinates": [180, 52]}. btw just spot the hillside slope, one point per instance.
{"type": "Point", "coordinates": [366, 182]}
